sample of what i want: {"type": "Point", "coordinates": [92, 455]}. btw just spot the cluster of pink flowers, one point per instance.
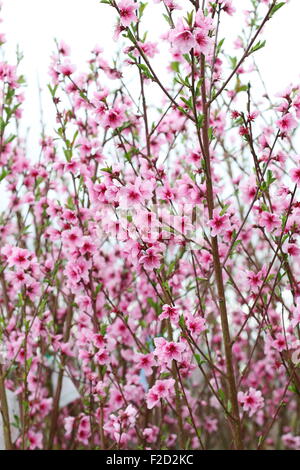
{"type": "Point", "coordinates": [251, 401]}
{"type": "Point", "coordinates": [149, 259]}
{"type": "Point", "coordinates": [185, 37]}
{"type": "Point", "coordinates": [162, 389]}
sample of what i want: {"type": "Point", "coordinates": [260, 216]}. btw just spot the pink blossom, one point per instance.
{"type": "Point", "coordinates": [255, 279]}
{"type": "Point", "coordinates": [291, 441]}
{"type": "Point", "coordinates": [160, 390]}
{"type": "Point", "coordinates": [219, 224]}
{"type": "Point", "coordinates": [111, 281]}
{"type": "Point", "coordinates": [115, 117]}
{"type": "Point", "coordinates": [287, 123]}
{"type": "Point", "coordinates": [270, 221]}
{"type": "Point", "coordinates": [204, 43]}
{"type": "Point", "coordinates": [279, 343]}
{"type": "Point", "coordinates": [195, 324]}
{"type": "Point", "coordinates": [151, 433]}
{"type": "Point", "coordinates": [102, 357]}
{"type": "Point", "coordinates": [229, 8]}
{"type": "Point", "coordinates": [145, 362]}
{"type": "Point", "coordinates": [20, 258]}
{"type": "Point", "coordinates": [67, 69]}
{"type": "Point", "coordinates": [127, 10]}
{"type": "Point", "coordinates": [291, 249]}
{"type": "Point", "coordinates": [166, 351]}
{"type": "Point", "coordinates": [182, 38]}
{"type": "Point", "coordinates": [169, 312]}
{"type": "Point", "coordinates": [72, 237]}
{"type": "Point", "coordinates": [150, 259]}
{"type": "Point", "coordinates": [251, 401]}
{"type": "Point", "coordinates": [295, 175]}
{"type": "Point", "coordinates": [130, 196]}
{"type": "Point", "coordinates": [35, 440]}
{"type": "Point", "coordinates": [69, 423]}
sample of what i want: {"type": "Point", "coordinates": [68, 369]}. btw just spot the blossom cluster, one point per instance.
{"type": "Point", "coordinates": [149, 259]}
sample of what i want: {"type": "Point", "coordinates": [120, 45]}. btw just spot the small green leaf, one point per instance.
{"type": "Point", "coordinates": [220, 45]}
{"type": "Point", "coordinates": [175, 66]}
{"type": "Point", "coordinates": [142, 8]}
{"type": "Point", "coordinates": [223, 211]}
{"type": "Point", "coordinates": [233, 61]}
{"type": "Point", "coordinates": [107, 170]}
{"type": "Point", "coordinates": [181, 321]}
{"type": "Point", "coordinates": [187, 102]}
{"type": "Point", "coordinates": [168, 20]}
{"type": "Point", "coordinates": [276, 8]}
{"type": "Point", "coordinates": [103, 329]}
{"type": "Point", "coordinates": [210, 133]}
{"type": "Point", "coordinates": [144, 69]}
{"type": "Point", "coordinates": [200, 120]}
{"type": "Point", "coordinates": [189, 18]}
{"type": "Point", "coordinates": [292, 388]}
{"type": "Point", "coordinates": [3, 175]}
{"type": "Point", "coordinates": [257, 46]}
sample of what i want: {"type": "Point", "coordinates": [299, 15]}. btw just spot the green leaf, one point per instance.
{"type": "Point", "coordinates": [2, 124]}
{"type": "Point", "coordinates": [83, 95]}
{"type": "Point", "coordinates": [220, 45]}
{"type": "Point", "coordinates": [21, 80]}
{"type": "Point", "coordinates": [200, 120]}
{"type": "Point", "coordinates": [175, 66]}
{"type": "Point", "coordinates": [199, 360]}
{"type": "Point", "coordinates": [223, 211]}
{"type": "Point", "coordinates": [210, 133]}
{"type": "Point", "coordinates": [292, 388]}
{"type": "Point", "coordinates": [16, 422]}
{"type": "Point", "coordinates": [103, 329]}
{"type": "Point", "coordinates": [145, 70]}
{"type": "Point", "coordinates": [199, 84]}
{"type": "Point", "coordinates": [3, 175]}
{"type": "Point", "coordinates": [25, 405]}
{"type": "Point", "coordinates": [156, 307]}
{"type": "Point", "coordinates": [229, 406]}
{"type": "Point", "coordinates": [74, 138]}
{"type": "Point", "coordinates": [182, 81]}
{"type": "Point", "coordinates": [187, 57]}
{"type": "Point", "coordinates": [270, 178]}
{"type": "Point", "coordinates": [171, 268]}
{"type": "Point", "coordinates": [167, 19]}
{"type": "Point", "coordinates": [20, 300]}
{"type": "Point", "coordinates": [276, 8]}
{"type": "Point", "coordinates": [197, 357]}
{"type": "Point", "coordinates": [181, 321]}
{"type": "Point", "coordinates": [257, 46]}
{"type": "Point", "coordinates": [241, 88]}
{"type": "Point", "coordinates": [107, 170]}
{"type": "Point", "coordinates": [233, 61]}
{"type": "Point", "coordinates": [10, 139]}
{"type": "Point", "coordinates": [52, 90]}
{"type": "Point", "coordinates": [68, 154]}
{"type": "Point", "coordinates": [189, 18]}
{"type": "Point", "coordinates": [29, 362]}
{"type": "Point", "coordinates": [188, 102]}
{"type": "Point", "coordinates": [142, 8]}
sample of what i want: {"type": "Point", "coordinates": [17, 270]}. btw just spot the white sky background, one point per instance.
{"type": "Point", "coordinates": [33, 24]}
